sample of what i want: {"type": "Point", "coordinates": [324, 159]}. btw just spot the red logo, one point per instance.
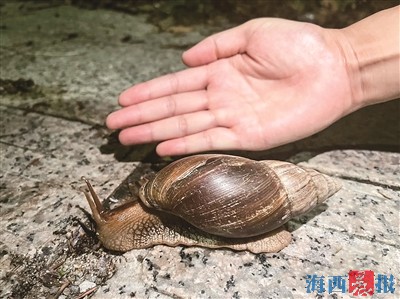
{"type": "Point", "coordinates": [361, 283]}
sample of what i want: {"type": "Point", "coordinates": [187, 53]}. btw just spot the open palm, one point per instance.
{"type": "Point", "coordinates": [256, 86]}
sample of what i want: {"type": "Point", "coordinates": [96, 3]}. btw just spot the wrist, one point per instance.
{"type": "Point", "coordinates": [350, 62]}
{"type": "Point", "coordinates": [371, 52]}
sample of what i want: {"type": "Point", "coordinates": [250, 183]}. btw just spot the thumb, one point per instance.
{"type": "Point", "coordinates": [221, 45]}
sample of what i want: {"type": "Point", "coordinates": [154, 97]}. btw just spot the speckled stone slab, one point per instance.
{"type": "Point", "coordinates": [365, 166]}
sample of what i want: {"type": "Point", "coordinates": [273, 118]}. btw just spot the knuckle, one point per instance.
{"type": "Point", "coordinates": [149, 129]}
{"type": "Point", "coordinates": [170, 106]}
{"type": "Point", "coordinates": [137, 117]}
{"type": "Point", "coordinates": [174, 81]}
{"type": "Point", "coordinates": [207, 139]}
{"type": "Point", "coordinates": [182, 125]}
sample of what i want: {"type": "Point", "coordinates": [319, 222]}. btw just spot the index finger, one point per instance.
{"type": "Point", "coordinates": [183, 81]}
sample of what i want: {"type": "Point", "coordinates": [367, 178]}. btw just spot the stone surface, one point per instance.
{"type": "Point", "coordinates": [86, 285]}
{"type": "Point", "coordinates": [52, 133]}
{"type": "Point", "coordinates": [368, 166]}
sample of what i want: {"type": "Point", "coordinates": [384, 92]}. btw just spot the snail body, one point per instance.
{"type": "Point", "coordinates": [214, 201]}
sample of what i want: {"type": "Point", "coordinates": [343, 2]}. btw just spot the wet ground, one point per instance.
{"type": "Point", "coordinates": [62, 68]}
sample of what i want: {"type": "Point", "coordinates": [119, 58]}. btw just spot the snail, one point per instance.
{"type": "Point", "coordinates": [214, 201]}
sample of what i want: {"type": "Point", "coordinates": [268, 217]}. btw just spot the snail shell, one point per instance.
{"type": "Point", "coordinates": [215, 201]}
{"type": "Point", "coordinates": [233, 196]}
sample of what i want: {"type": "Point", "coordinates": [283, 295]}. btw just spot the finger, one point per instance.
{"type": "Point", "coordinates": [170, 128]}
{"type": "Point", "coordinates": [221, 45]}
{"type": "Point", "coordinates": [213, 139]}
{"type": "Point", "coordinates": [183, 81]}
{"type": "Point", "coordinates": [157, 109]}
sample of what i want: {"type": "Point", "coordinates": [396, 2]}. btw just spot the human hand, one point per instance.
{"type": "Point", "coordinates": [253, 87]}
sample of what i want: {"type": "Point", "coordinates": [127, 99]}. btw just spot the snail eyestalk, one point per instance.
{"type": "Point", "coordinates": [94, 202]}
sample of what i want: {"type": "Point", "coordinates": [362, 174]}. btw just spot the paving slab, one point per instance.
{"type": "Point", "coordinates": [52, 133]}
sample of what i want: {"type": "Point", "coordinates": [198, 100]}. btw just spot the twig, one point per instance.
{"type": "Point", "coordinates": [88, 292]}
{"type": "Point", "coordinates": [62, 288]}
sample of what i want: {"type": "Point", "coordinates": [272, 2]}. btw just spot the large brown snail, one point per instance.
{"type": "Point", "coordinates": [214, 201]}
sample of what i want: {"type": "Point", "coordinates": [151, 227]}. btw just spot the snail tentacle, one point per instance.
{"type": "Point", "coordinates": [94, 203]}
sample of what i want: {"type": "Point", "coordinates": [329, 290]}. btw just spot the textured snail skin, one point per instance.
{"type": "Point", "coordinates": [214, 201]}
